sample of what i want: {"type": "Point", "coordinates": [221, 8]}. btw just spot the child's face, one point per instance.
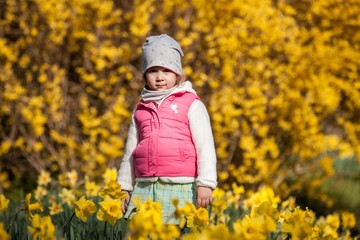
{"type": "Point", "coordinates": [160, 78]}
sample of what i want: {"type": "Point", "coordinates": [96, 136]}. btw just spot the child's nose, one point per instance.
{"type": "Point", "coordinates": [159, 75]}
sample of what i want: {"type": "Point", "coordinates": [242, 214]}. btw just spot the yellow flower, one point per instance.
{"type": "Point", "coordinates": [169, 231]}
{"type": "Point", "coordinates": [327, 227]}
{"type": "Point", "coordinates": [265, 209]}
{"type": "Point", "coordinates": [237, 189]}
{"type": "Point", "coordinates": [198, 218]}
{"type": "Point", "coordinates": [201, 218]}
{"type": "Point", "coordinates": [177, 212]}
{"type": "Point", "coordinates": [110, 210]}
{"type": "Point", "coordinates": [44, 178]}
{"type": "Point", "coordinates": [298, 223]}
{"type": "Point", "coordinates": [113, 190]}
{"type": "Point", "coordinates": [84, 208]}
{"type": "Point", "coordinates": [55, 208]}
{"type": "Point", "coordinates": [4, 180]}
{"type": "Point", "coordinates": [3, 234]}
{"type": "Point", "coordinates": [40, 191]}
{"type": "Point", "coordinates": [262, 195]}
{"type": "Point", "coordinates": [147, 221]}
{"type": "Point", "coordinates": [289, 203]}
{"type": "Point", "coordinates": [148, 205]}
{"type": "Point", "coordinates": [63, 180]}
{"type": "Point", "coordinates": [52, 198]}
{"type": "Point", "coordinates": [42, 228]}
{"type": "Point", "coordinates": [223, 175]}
{"type": "Point", "coordinates": [32, 206]}
{"type": "Point", "coordinates": [3, 203]}
{"type": "Point", "coordinates": [91, 188]}
{"type": "Point", "coordinates": [67, 196]}
{"type": "Point", "coordinates": [214, 232]}
{"type": "Point", "coordinates": [333, 221]}
{"type": "Point", "coordinates": [268, 214]}
{"type": "Point", "coordinates": [251, 228]}
{"type": "Point", "coordinates": [73, 177]}
{"type": "Point", "coordinates": [219, 204]}
{"type": "Point", "coordinates": [348, 220]}
{"type": "Point", "coordinates": [329, 232]}
{"type": "Point", "coordinates": [110, 175]}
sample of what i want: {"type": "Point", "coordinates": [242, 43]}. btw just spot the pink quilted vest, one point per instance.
{"type": "Point", "coordinates": [165, 145]}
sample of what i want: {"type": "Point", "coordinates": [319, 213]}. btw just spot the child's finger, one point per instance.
{"type": "Point", "coordinates": [203, 202]}
{"type": "Point", "coordinates": [124, 206]}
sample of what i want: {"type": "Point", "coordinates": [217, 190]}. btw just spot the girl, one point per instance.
{"type": "Point", "coordinates": [169, 152]}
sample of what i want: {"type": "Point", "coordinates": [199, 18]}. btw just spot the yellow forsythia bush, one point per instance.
{"type": "Point", "coordinates": [280, 79]}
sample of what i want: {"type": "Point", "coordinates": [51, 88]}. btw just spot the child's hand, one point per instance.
{"type": "Point", "coordinates": [125, 202]}
{"type": "Point", "coordinates": [203, 196]}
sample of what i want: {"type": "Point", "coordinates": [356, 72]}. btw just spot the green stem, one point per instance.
{"type": "Point", "coordinates": [14, 219]}
{"type": "Point", "coordinates": [69, 226]}
{"type": "Point", "coordinates": [71, 217]}
{"type": "Point", "coordinates": [105, 228]}
{"type": "Point", "coordinates": [112, 232]}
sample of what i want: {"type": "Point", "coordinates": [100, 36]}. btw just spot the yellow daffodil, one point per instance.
{"type": "Point", "coordinates": [32, 206]}
{"type": "Point", "coordinates": [44, 178]}
{"type": "Point", "coordinates": [333, 220]}
{"type": "Point", "coordinates": [327, 227]}
{"type": "Point", "coordinates": [147, 221]}
{"type": "Point", "coordinates": [148, 205]}
{"type": "Point", "coordinates": [110, 175]}
{"type": "Point", "coordinates": [40, 191]}
{"type": "Point", "coordinates": [91, 188]}
{"type": "Point", "coordinates": [290, 203]}
{"type": "Point", "coordinates": [113, 190]}
{"type": "Point", "coordinates": [214, 232]}
{"type": "Point", "coordinates": [201, 218]}
{"type": "Point", "coordinates": [67, 196]}
{"type": "Point", "coordinates": [3, 234]}
{"type": "Point", "coordinates": [4, 180]}
{"type": "Point", "coordinates": [189, 211]}
{"type": "Point", "coordinates": [141, 225]}
{"type": "Point", "coordinates": [42, 227]}
{"type": "Point", "coordinates": [220, 202]}
{"type": "Point", "coordinates": [3, 203]}
{"type": "Point", "coordinates": [177, 212]}
{"type": "Point", "coordinates": [249, 228]}
{"type": "Point", "coordinates": [110, 210]}
{"type": "Point", "coordinates": [348, 220]}
{"type": "Point", "coordinates": [63, 180]}
{"type": "Point", "coordinates": [169, 231]}
{"type": "Point", "coordinates": [72, 177]}
{"type": "Point", "coordinates": [298, 223]}
{"type": "Point", "coordinates": [55, 208]}
{"type": "Point", "coordinates": [193, 217]}
{"type": "Point", "coordinates": [263, 194]}
{"type": "Point", "coordinates": [329, 232]}
{"type": "Point", "coordinates": [84, 208]}
{"type": "Point", "coordinates": [52, 198]}
{"type": "Point", "coordinates": [265, 209]}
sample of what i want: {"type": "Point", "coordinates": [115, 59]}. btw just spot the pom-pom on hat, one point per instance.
{"type": "Point", "coordinates": [163, 51]}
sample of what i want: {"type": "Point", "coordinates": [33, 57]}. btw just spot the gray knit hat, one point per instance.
{"type": "Point", "coordinates": [162, 51]}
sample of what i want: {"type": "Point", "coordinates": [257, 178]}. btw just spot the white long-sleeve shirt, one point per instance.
{"type": "Point", "coordinates": [202, 136]}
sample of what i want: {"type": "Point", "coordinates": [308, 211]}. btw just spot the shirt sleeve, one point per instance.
{"type": "Point", "coordinates": [126, 173]}
{"type": "Point", "coordinates": [202, 135]}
